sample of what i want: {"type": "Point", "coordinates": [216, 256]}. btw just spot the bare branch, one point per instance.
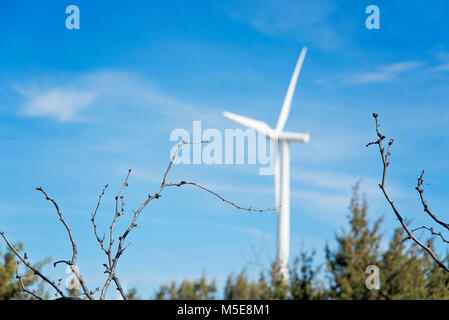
{"type": "Point", "coordinates": [61, 261]}
{"type": "Point", "coordinates": [74, 248]}
{"type": "Point", "coordinates": [26, 263]}
{"type": "Point", "coordinates": [112, 262]}
{"type": "Point", "coordinates": [24, 289]}
{"type": "Point", "coordinates": [424, 202]}
{"type": "Point", "coordinates": [179, 184]}
{"type": "Point", "coordinates": [117, 212]}
{"type": "Point", "coordinates": [110, 268]}
{"type": "Point", "coordinates": [439, 234]}
{"type": "Point", "coordinates": [385, 157]}
{"type": "Point", "coordinates": [112, 258]}
{"type": "Point", "coordinates": [100, 241]}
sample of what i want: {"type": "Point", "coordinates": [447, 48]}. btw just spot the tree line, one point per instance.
{"type": "Point", "coordinates": [406, 271]}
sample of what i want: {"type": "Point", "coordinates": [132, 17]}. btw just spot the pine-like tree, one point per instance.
{"type": "Point", "coordinates": [405, 270]}
{"type": "Point", "coordinates": [196, 290]}
{"type": "Point", "coordinates": [304, 282]}
{"type": "Point", "coordinates": [358, 248]}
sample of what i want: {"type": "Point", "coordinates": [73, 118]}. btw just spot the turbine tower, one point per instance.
{"type": "Point", "coordinates": [282, 163]}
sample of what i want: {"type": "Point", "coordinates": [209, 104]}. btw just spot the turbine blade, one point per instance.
{"type": "Point", "coordinates": [295, 136]}
{"type": "Point", "coordinates": [250, 123]}
{"type": "Point", "coordinates": [291, 90]}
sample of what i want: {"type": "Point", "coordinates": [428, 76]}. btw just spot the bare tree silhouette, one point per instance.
{"type": "Point", "coordinates": [106, 244]}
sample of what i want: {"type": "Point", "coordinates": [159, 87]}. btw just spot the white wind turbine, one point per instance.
{"type": "Point", "coordinates": [282, 163]}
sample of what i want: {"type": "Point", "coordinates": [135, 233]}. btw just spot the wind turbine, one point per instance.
{"type": "Point", "coordinates": [282, 163]}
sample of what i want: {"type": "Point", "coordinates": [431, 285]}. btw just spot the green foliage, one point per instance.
{"type": "Point", "coordinates": [241, 288]}
{"type": "Point", "coordinates": [196, 290]}
{"type": "Point", "coordinates": [357, 248]}
{"type": "Point", "coordinates": [405, 270]}
{"type": "Point", "coordinates": [132, 294]}
{"type": "Point", "coordinates": [10, 286]}
{"type": "Point", "coordinates": [304, 282]}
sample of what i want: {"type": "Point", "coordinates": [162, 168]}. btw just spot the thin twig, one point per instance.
{"type": "Point", "coordinates": [179, 184]}
{"type": "Point", "coordinates": [26, 263]}
{"type": "Point", "coordinates": [110, 269]}
{"type": "Point", "coordinates": [424, 202]}
{"type": "Point", "coordinates": [24, 289]}
{"type": "Point", "coordinates": [93, 216]}
{"type": "Point", "coordinates": [112, 258]}
{"type": "Point", "coordinates": [385, 162]}
{"type": "Point", "coordinates": [72, 262]}
{"type": "Point", "coordinates": [430, 229]}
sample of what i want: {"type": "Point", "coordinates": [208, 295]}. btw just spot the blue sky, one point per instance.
{"type": "Point", "coordinates": [80, 107]}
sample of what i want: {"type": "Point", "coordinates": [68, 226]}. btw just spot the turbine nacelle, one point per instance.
{"type": "Point", "coordinates": [294, 136]}
{"type": "Point", "coordinates": [265, 129]}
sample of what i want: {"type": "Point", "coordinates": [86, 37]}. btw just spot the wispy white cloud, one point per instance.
{"type": "Point", "coordinates": [338, 181]}
{"type": "Point", "coordinates": [321, 200]}
{"type": "Point", "coordinates": [382, 74]}
{"type": "Point", "coordinates": [73, 97]}
{"type": "Point", "coordinates": [443, 62]}
{"type": "Point", "coordinates": [61, 103]}
{"type": "Point", "coordinates": [386, 73]}
{"type": "Point", "coordinates": [327, 193]}
{"type": "Point", "coordinates": [442, 67]}
{"type": "Point", "coordinates": [331, 180]}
